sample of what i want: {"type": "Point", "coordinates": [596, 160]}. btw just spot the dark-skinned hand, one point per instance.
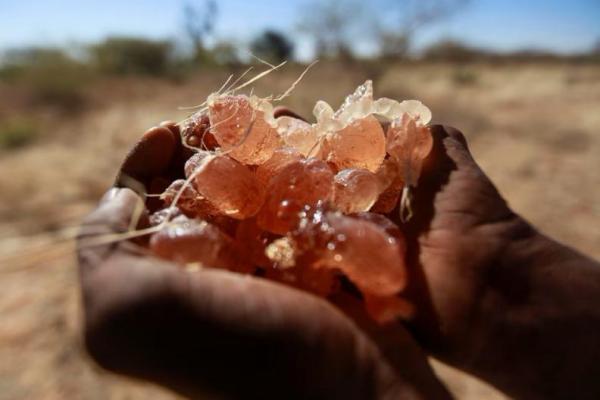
{"type": "Point", "coordinates": [213, 332]}
{"type": "Point", "coordinates": [493, 296]}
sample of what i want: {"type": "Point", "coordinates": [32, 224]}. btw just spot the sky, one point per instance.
{"type": "Point", "coordinates": [504, 25]}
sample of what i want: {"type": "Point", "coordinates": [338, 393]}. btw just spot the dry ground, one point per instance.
{"type": "Point", "coordinates": [533, 128]}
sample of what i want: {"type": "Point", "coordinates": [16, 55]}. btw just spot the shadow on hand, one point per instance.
{"type": "Point", "coordinates": [435, 174]}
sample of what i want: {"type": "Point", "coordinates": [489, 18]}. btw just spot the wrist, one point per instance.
{"type": "Point", "coordinates": [538, 320]}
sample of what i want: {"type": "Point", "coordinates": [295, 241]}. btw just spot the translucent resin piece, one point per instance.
{"type": "Point", "coordinates": [323, 112]}
{"type": "Point", "coordinates": [281, 158]}
{"type": "Point", "coordinates": [299, 185]}
{"type": "Point", "coordinates": [391, 183]}
{"type": "Point", "coordinates": [392, 109]}
{"type": "Point", "coordinates": [224, 223]}
{"type": "Point", "coordinates": [254, 242]}
{"type": "Point", "coordinates": [190, 202]}
{"type": "Point", "coordinates": [388, 174]}
{"type": "Point", "coordinates": [187, 198]}
{"type": "Point", "coordinates": [361, 144]}
{"type": "Point", "coordinates": [357, 105]}
{"type": "Point", "coordinates": [387, 201]}
{"type": "Point", "coordinates": [229, 186]}
{"type": "Point", "coordinates": [384, 223]}
{"type": "Point", "coordinates": [322, 282]}
{"type": "Point", "coordinates": [188, 241]}
{"type": "Point", "coordinates": [388, 309]}
{"type": "Point", "coordinates": [409, 143]}
{"type": "Point", "coordinates": [299, 135]}
{"type": "Point", "coordinates": [196, 133]}
{"type": "Point", "coordinates": [363, 250]}
{"type": "Point", "coordinates": [194, 162]}
{"type": "Point", "coordinates": [355, 190]}
{"type": "Point", "coordinates": [243, 128]}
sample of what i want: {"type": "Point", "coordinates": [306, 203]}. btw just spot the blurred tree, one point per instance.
{"type": "Point", "coordinates": [199, 23]}
{"type": "Point", "coordinates": [414, 16]}
{"type": "Point", "coordinates": [272, 46]}
{"type": "Point", "coordinates": [226, 53]}
{"type": "Point", "coordinates": [393, 45]}
{"type": "Point", "coordinates": [127, 55]}
{"type": "Point", "coordinates": [333, 25]}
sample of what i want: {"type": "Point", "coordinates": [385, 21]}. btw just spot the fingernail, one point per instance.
{"type": "Point", "coordinates": [110, 194]}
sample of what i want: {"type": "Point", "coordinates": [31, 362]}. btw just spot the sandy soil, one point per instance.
{"type": "Point", "coordinates": [533, 128]}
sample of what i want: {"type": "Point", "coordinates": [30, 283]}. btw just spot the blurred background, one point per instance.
{"type": "Point", "coordinates": [81, 81]}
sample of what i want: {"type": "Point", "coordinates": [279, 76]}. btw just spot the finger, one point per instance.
{"type": "Point", "coordinates": [282, 111]}
{"type": "Point", "coordinates": [457, 135]}
{"type": "Point", "coordinates": [171, 125]}
{"type": "Point", "coordinates": [149, 158]}
{"type": "Point", "coordinates": [115, 210]}
{"type": "Point", "coordinates": [115, 214]}
{"type": "Point", "coordinates": [182, 153]}
{"type": "Point", "coordinates": [197, 331]}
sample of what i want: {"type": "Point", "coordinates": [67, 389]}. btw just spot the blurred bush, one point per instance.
{"type": "Point", "coordinates": [16, 132]}
{"type": "Point", "coordinates": [272, 46]}
{"type": "Point", "coordinates": [128, 55]}
{"type": "Point", "coordinates": [53, 77]}
{"type": "Point", "coordinates": [454, 51]}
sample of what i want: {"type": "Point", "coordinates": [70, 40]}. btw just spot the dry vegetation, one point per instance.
{"type": "Point", "coordinates": [532, 127]}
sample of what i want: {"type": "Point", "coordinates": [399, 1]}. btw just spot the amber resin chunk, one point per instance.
{"type": "Point", "coordinates": [388, 308]}
{"type": "Point", "coordinates": [242, 129]}
{"type": "Point", "coordinates": [391, 182]}
{"type": "Point", "coordinates": [299, 185]}
{"type": "Point", "coordinates": [409, 143]}
{"type": "Point", "coordinates": [281, 158]}
{"type": "Point", "coordinates": [254, 241]}
{"type": "Point", "coordinates": [355, 190]}
{"type": "Point", "coordinates": [194, 162]}
{"type": "Point", "coordinates": [363, 250]}
{"type": "Point", "coordinates": [322, 281]}
{"type": "Point", "coordinates": [361, 144]}
{"type": "Point", "coordinates": [196, 133]}
{"type": "Point", "coordinates": [230, 186]}
{"type": "Point", "coordinates": [190, 202]}
{"type": "Point", "coordinates": [191, 241]}
{"type": "Point", "coordinates": [299, 135]}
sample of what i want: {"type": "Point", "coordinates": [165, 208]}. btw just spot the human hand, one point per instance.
{"type": "Point", "coordinates": [461, 230]}
{"type": "Point", "coordinates": [493, 295]}
{"type": "Point", "coordinates": [217, 332]}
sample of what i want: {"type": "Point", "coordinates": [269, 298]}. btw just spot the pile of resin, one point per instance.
{"type": "Point", "coordinates": [299, 203]}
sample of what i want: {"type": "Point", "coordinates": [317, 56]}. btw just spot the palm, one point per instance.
{"type": "Point", "coordinates": [461, 224]}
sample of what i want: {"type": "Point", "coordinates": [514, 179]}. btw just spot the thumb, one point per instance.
{"type": "Point", "coordinates": [450, 151]}
{"type": "Point", "coordinates": [118, 208]}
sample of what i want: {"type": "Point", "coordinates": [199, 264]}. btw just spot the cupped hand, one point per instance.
{"type": "Point", "coordinates": [217, 332]}
{"type": "Point", "coordinates": [460, 235]}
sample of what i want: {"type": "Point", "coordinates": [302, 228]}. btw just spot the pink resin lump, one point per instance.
{"type": "Point", "coordinates": [242, 127]}
{"type": "Point", "coordinates": [303, 204]}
